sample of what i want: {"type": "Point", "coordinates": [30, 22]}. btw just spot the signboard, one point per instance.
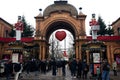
{"type": "Point", "coordinates": [96, 57]}
{"type": "Point", "coordinates": [15, 57]}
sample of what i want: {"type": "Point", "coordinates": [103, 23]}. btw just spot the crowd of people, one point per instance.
{"type": "Point", "coordinates": [57, 66]}
{"type": "Point", "coordinates": [77, 68]}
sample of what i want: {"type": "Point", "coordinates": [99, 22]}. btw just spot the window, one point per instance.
{"type": "Point", "coordinates": [6, 33]}
{"type": "Point", "coordinates": [118, 30]}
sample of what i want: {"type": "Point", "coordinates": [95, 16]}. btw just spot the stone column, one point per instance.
{"type": "Point", "coordinates": [43, 52]}
{"type": "Point", "coordinates": [108, 53]}
{"type": "Point", "coordinates": [88, 57]}
{"type": "Point", "coordinates": [112, 54]}
{"type": "Point", "coordinates": [40, 54]}
{"type": "Point", "coordinates": [80, 52]}
{"type": "Point", "coordinates": [76, 51]}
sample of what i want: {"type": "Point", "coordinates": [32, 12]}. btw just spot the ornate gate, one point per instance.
{"type": "Point", "coordinates": [60, 15]}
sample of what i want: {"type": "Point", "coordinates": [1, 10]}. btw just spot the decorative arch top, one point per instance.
{"type": "Point", "coordinates": [60, 5]}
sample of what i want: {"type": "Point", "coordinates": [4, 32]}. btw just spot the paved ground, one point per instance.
{"type": "Point", "coordinates": [48, 76]}
{"type": "Point", "coordinates": [112, 77]}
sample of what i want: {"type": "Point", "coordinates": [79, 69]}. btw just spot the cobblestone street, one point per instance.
{"type": "Point", "coordinates": [48, 76]}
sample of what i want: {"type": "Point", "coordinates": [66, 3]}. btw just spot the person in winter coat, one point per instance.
{"type": "Point", "coordinates": [59, 67]}
{"type": "Point", "coordinates": [85, 69]}
{"type": "Point", "coordinates": [79, 69]}
{"type": "Point", "coordinates": [73, 67]}
{"type": "Point", "coordinates": [8, 69]}
{"type": "Point", "coordinates": [64, 62]}
{"type": "Point", "coordinates": [54, 67]}
{"type": "Point", "coordinates": [105, 70]}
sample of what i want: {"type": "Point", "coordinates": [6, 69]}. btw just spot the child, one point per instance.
{"type": "Point", "coordinates": [98, 72]}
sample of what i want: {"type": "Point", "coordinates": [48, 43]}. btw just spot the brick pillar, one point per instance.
{"type": "Point", "coordinates": [76, 51]}
{"type": "Point", "coordinates": [108, 53]}
{"type": "Point", "coordinates": [87, 53]}
{"type": "Point", "coordinates": [40, 54]}
{"type": "Point", "coordinates": [43, 53]}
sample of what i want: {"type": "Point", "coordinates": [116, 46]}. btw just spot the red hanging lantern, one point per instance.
{"type": "Point", "coordinates": [60, 35]}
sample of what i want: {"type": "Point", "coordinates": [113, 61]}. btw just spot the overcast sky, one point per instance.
{"type": "Point", "coordinates": [11, 9]}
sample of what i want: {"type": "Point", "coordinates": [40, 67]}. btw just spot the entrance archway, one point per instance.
{"type": "Point", "coordinates": [63, 16]}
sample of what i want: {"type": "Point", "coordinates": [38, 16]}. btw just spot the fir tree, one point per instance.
{"type": "Point", "coordinates": [102, 30]}
{"type": "Point", "coordinates": [28, 30]}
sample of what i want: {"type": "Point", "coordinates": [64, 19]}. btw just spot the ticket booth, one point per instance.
{"type": "Point", "coordinates": [95, 57]}
{"type": "Point", "coordinates": [95, 60]}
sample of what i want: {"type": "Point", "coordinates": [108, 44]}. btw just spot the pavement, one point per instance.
{"type": "Point", "coordinates": [112, 77]}
{"type": "Point", "coordinates": [49, 76]}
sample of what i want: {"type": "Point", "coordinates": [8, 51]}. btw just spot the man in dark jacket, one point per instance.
{"type": "Point", "coordinates": [64, 62]}
{"type": "Point", "coordinates": [54, 67]}
{"type": "Point", "coordinates": [8, 70]}
{"type": "Point", "coordinates": [105, 70]}
{"type": "Point", "coordinates": [85, 69]}
{"type": "Point", "coordinates": [79, 69]}
{"type": "Point", "coordinates": [73, 67]}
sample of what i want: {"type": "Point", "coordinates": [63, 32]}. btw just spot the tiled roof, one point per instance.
{"type": "Point", "coordinates": [115, 21]}
{"type": "Point", "coordinates": [6, 22]}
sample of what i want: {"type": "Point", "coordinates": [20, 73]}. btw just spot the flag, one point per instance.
{"type": "Point", "coordinates": [64, 54]}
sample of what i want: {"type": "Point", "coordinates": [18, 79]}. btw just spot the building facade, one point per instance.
{"type": "Point", "coordinates": [5, 28]}
{"type": "Point", "coordinates": [116, 27]}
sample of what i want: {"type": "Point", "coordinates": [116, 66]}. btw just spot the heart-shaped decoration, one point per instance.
{"type": "Point", "coordinates": [60, 35]}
